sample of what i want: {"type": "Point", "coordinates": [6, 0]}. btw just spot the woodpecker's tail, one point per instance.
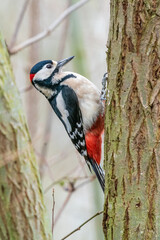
{"type": "Point", "coordinates": [99, 172]}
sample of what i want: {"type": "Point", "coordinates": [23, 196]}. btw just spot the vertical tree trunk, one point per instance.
{"type": "Point", "coordinates": [22, 212]}
{"type": "Point", "coordinates": [132, 133]}
{"type": "Point", "coordinates": [35, 49]}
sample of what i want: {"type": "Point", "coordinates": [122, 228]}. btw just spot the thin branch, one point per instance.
{"type": "Point", "coordinates": [78, 228]}
{"type": "Point", "coordinates": [49, 30]}
{"type": "Point", "coordinates": [64, 34]}
{"type": "Point", "coordinates": [89, 180]}
{"type": "Point", "coordinates": [64, 204]}
{"type": "Point", "coordinates": [19, 21]}
{"type": "Point", "coordinates": [70, 179]}
{"type": "Point", "coordinates": [60, 180]}
{"type": "Point", "coordinates": [71, 189]}
{"type": "Point", "coordinates": [47, 136]}
{"type": "Point", "coordinates": [53, 212]}
{"type": "Point", "coordinates": [49, 121]}
{"type": "Point", "coordinates": [47, 165]}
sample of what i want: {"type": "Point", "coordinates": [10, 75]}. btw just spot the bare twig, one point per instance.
{"type": "Point", "coordinates": [91, 179]}
{"type": "Point", "coordinates": [49, 30]}
{"type": "Point", "coordinates": [71, 179]}
{"type": "Point", "coordinates": [78, 228]}
{"type": "Point", "coordinates": [46, 164]}
{"type": "Point", "coordinates": [49, 122]}
{"type": "Point", "coordinates": [71, 190]}
{"type": "Point", "coordinates": [64, 204]}
{"type": "Point", "coordinates": [60, 179]}
{"type": "Point", "coordinates": [53, 213]}
{"type": "Point", "coordinates": [47, 136]}
{"type": "Point", "coordinates": [63, 37]}
{"type": "Point", "coordinates": [19, 21]}
{"type": "Point", "coordinates": [54, 183]}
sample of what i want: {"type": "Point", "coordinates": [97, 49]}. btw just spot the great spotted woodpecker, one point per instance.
{"type": "Point", "coordinates": [76, 101]}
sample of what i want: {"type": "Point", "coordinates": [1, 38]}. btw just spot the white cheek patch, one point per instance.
{"type": "Point", "coordinates": [44, 73]}
{"type": "Point", "coordinates": [62, 108]}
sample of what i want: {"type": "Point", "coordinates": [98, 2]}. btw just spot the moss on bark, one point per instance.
{"type": "Point", "coordinates": [22, 211]}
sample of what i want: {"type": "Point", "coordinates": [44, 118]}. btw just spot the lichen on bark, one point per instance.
{"type": "Point", "coordinates": [22, 211]}
{"type": "Point", "coordinates": [132, 125]}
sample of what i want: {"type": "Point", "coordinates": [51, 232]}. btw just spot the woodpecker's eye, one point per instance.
{"type": "Point", "coordinates": [49, 65]}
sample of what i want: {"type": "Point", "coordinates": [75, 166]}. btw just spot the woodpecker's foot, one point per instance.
{"type": "Point", "coordinates": [104, 83]}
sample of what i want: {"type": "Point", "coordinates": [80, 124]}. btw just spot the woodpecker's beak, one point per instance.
{"type": "Point", "coordinates": [64, 61]}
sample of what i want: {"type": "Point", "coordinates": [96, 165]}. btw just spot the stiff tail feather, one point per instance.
{"type": "Point", "coordinates": [99, 172]}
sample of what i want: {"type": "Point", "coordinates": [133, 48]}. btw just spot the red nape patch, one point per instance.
{"type": "Point", "coordinates": [31, 76]}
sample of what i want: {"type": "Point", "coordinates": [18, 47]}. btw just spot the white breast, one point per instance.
{"type": "Point", "coordinates": [89, 98]}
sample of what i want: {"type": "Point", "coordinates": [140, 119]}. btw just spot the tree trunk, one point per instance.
{"type": "Point", "coordinates": [32, 100]}
{"type": "Point", "coordinates": [132, 127]}
{"type": "Point", "coordinates": [22, 212]}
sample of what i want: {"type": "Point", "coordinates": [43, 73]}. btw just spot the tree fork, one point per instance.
{"type": "Point", "coordinates": [132, 125]}
{"type": "Point", "coordinates": [22, 211]}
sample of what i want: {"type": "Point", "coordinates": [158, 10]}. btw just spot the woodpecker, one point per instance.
{"type": "Point", "coordinates": [76, 102]}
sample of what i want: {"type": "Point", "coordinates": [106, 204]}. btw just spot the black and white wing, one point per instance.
{"type": "Point", "coordinates": [66, 106]}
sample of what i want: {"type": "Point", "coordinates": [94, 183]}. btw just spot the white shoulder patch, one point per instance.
{"type": "Point", "coordinates": [62, 108]}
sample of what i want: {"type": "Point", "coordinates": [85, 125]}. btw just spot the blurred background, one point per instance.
{"type": "Point", "coordinates": [83, 34]}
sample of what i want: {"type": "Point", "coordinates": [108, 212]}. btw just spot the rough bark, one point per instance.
{"type": "Point", "coordinates": [132, 127]}
{"type": "Point", "coordinates": [22, 211]}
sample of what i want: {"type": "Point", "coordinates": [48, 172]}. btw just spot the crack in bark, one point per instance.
{"type": "Point", "coordinates": [151, 192]}
{"type": "Point", "coordinates": [109, 215]}
{"type": "Point", "coordinates": [155, 64]}
{"type": "Point", "coordinates": [124, 47]}
{"type": "Point", "coordinates": [126, 225]}
{"type": "Point", "coordinates": [4, 221]}
{"type": "Point", "coordinates": [134, 111]}
{"type": "Point", "coordinates": [139, 20]}
{"type": "Point", "coordinates": [116, 9]}
{"type": "Point", "coordinates": [140, 141]}
{"type": "Point", "coordinates": [105, 218]}
{"type": "Point", "coordinates": [129, 157]}
{"type": "Point", "coordinates": [123, 190]}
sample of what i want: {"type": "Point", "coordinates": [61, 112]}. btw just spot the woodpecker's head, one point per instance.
{"type": "Point", "coordinates": [45, 74]}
